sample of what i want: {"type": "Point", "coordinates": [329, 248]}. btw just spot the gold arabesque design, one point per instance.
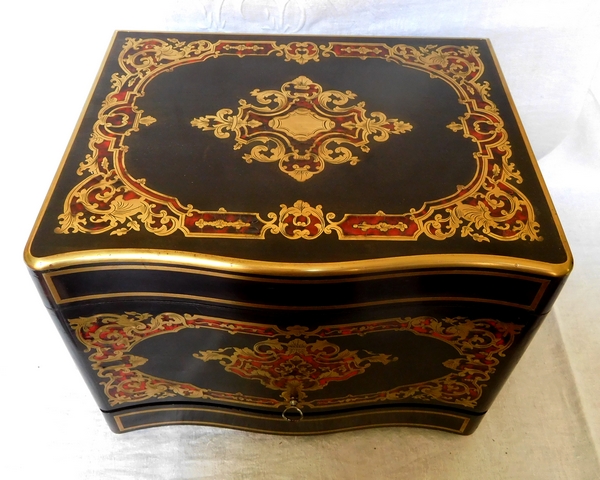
{"type": "Point", "coordinates": [109, 200]}
{"type": "Point", "coordinates": [294, 367]}
{"type": "Point", "coordinates": [383, 226]}
{"type": "Point", "coordinates": [302, 127]}
{"type": "Point", "coordinates": [110, 337]}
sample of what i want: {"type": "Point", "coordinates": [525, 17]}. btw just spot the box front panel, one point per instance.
{"type": "Point", "coordinates": [435, 357]}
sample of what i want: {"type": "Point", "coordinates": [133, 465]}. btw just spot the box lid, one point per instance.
{"type": "Point", "coordinates": [300, 156]}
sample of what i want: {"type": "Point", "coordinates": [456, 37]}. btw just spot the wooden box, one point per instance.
{"type": "Point", "coordinates": [297, 234]}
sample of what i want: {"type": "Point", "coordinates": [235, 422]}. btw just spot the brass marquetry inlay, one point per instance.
{"type": "Point", "coordinates": [301, 124]}
{"type": "Point", "coordinates": [302, 127]}
{"type": "Point", "coordinates": [295, 361]}
{"type": "Point", "coordinates": [294, 367]}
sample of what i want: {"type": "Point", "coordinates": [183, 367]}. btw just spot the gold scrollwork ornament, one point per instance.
{"type": "Point", "coordinates": [302, 127]}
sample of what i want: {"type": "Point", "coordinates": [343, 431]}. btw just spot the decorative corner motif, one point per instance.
{"type": "Point", "coordinates": [295, 360]}
{"type": "Point", "coordinates": [302, 127]}
{"type": "Point", "coordinates": [109, 199]}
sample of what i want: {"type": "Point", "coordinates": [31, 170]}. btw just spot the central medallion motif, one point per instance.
{"type": "Point", "coordinates": [294, 367]}
{"type": "Point", "coordinates": [301, 124]}
{"type": "Point", "coordinates": [302, 127]}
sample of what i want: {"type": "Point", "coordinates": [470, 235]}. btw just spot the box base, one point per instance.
{"type": "Point", "coordinates": [188, 414]}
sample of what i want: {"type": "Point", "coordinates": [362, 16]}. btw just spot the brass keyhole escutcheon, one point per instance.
{"type": "Point", "coordinates": [292, 413]}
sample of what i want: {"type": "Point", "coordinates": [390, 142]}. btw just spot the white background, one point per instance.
{"type": "Point", "coordinates": [545, 423]}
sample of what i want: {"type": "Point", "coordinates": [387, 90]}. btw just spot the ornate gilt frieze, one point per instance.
{"type": "Point", "coordinates": [295, 361]}
{"type": "Point", "coordinates": [109, 200]}
{"type": "Point", "coordinates": [302, 127]}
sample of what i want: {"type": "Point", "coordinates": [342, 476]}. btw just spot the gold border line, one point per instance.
{"type": "Point", "coordinates": [357, 278]}
{"type": "Point", "coordinates": [260, 267]}
{"type": "Point", "coordinates": [31, 260]}
{"type": "Point", "coordinates": [235, 303]}
{"type": "Point", "coordinates": [117, 417]}
{"type": "Point", "coordinates": [569, 262]}
{"type": "Point", "coordinates": [230, 264]}
{"type": "Point", "coordinates": [49, 278]}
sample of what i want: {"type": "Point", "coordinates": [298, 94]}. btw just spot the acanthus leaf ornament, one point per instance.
{"type": "Point", "coordinates": [301, 221]}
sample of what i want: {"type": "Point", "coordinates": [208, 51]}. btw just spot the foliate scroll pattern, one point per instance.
{"type": "Point", "coordinates": [111, 337]}
{"type": "Point", "coordinates": [294, 367]}
{"type": "Point", "coordinates": [302, 127]}
{"type": "Point", "coordinates": [108, 199]}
